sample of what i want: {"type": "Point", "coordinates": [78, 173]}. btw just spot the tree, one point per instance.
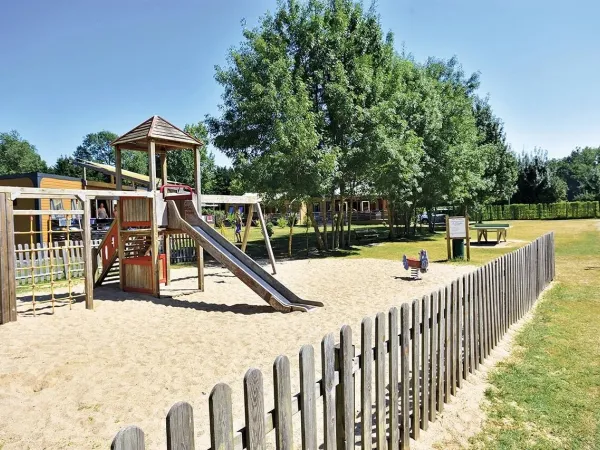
{"type": "Point", "coordinates": [96, 147]}
{"type": "Point", "coordinates": [537, 182]}
{"type": "Point", "coordinates": [18, 156]}
{"type": "Point", "coordinates": [500, 174]}
{"type": "Point", "coordinates": [66, 167]}
{"type": "Point", "coordinates": [581, 171]}
{"type": "Point", "coordinates": [180, 163]}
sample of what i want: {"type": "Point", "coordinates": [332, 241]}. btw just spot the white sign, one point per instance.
{"type": "Point", "coordinates": [457, 227]}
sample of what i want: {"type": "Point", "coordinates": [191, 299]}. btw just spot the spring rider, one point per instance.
{"type": "Point", "coordinates": [416, 265]}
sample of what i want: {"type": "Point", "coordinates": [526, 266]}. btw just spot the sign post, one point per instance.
{"type": "Point", "coordinates": [457, 228]}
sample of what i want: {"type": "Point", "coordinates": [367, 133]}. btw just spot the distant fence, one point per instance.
{"type": "Point", "coordinates": [562, 210]}
{"type": "Point", "coordinates": [43, 263]}
{"type": "Point", "coordinates": [436, 342]}
{"type": "Point", "coordinates": [183, 248]}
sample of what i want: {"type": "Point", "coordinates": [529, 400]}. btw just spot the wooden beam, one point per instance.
{"type": "Point", "coordinates": [163, 168]}
{"type": "Point", "coordinates": [120, 247]}
{"type": "Point", "coordinates": [267, 241]}
{"type": "Point", "coordinates": [20, 192]}
{"type": "Point", "coordinates": [48, 212]}
{"type": "Point", "coordinates": [88, 272]}
{"type": "Point", "coordinates": [154, 224]}
{"type": "Point", "coordinates": [248, 226]}
{"type": "Point", "coordinates": [230, 199]}
{"type": "Point", "coordinates": [118, 175]}
{"type": "Point", "coordinates": [5, 255]}
{"type": "Point", "coordinates": [198, 187]}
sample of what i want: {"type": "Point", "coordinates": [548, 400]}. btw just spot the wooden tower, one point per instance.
{"type": "Point", "coordinates": [141, 267]}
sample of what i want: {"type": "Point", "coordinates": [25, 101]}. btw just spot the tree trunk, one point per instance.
{"type": "Point", "coordinates": [290, 237]}
{"type": "Point", "coordinates": [324, 218]}
{"type": "Point", "coordinates": [391, 219]}
{"type": "Point", "coordinates": [340, 226]}
{"type": "Point", "coordinates": [349, 222]}
{"type": "Point", "coordinates": [315, 225]}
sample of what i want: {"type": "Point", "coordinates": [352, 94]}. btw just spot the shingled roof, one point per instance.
{"type": "Point", "coordinates": [164, 133]}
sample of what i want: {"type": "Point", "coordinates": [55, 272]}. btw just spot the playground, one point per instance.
{"type": "Point", "coordinates": [73, 378]}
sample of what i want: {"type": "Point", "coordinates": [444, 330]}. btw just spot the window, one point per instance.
{"type": "Point", "coordinates": [56, 204]}
{"type": "Point", "coordinates": [316, 207]}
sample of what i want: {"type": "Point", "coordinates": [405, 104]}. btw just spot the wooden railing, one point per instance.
{"type": "Point", "coordinates": [435, 343]}
{"type": "Point", "coordinates": [108, 245]}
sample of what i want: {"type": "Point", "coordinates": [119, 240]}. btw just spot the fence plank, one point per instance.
{"type": "Point", "coordinates": [425, 369]}
{"type": "Point", "coordinates": [328, 386]}
{"type": "Point", "coordinates": [130, 438]}
{"type": "Point", "coordinates": [448, 343]}
{"type": "Point", "coordinates": [459, 331]}
{"type": "Point", "coordinates": [453, 336]}
{"type": "Point", "coordinates": [393, 378]}
{"type": "Point", "coordinates": [347, 386]}
{"type": "Point", "coordinates": [471, 315]}
{"type": "Point", "coordinates": [366, 382]}
{"type": "Point", "coordinates": [433, 354]}
{"type": "Point", "coordinates": [308, 403]}
{"type": "Point", "coordinates": [380, 351]}
{"type": "Point", "coordinates": [416, 369]}
{"type": "Point", "coordinates": [221, 419]}
{"type": "Point", "coordinates": [404, 377]}
{"type": "Point", "coordinates": [254, 410]}
{"type": "Point", "coordinates": [283, 403]}
{"type": "Point", "coordinates": [180, 427]}
{"type": "Point", "coordinates": [439, 391]}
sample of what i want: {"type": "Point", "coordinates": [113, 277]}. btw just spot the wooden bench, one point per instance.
{"type": "Point", "coordinates": [482, 231]}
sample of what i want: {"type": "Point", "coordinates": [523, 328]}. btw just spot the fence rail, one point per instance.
{"type": "Point", "coordinates": [434, 344]}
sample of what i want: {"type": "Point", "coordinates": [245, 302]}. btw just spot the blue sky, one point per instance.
{"type": "Point", "coordinates": [69, 68]}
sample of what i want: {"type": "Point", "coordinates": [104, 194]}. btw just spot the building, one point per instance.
{"type": "Point", "coordinates": [41, 225]}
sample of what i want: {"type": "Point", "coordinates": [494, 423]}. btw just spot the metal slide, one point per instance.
{"type": "Point", "coordinates": [240, 264]}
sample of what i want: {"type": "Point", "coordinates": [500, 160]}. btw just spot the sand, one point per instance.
{"type": "Point", "coordinates": [73, 379]}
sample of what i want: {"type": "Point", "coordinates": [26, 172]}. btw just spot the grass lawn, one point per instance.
{"type": "Point", "coordinates": [520, 233]}
{"type": "Point", "coordinates": [547, 394]}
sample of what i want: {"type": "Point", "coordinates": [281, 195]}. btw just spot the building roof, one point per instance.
{"type": "Point", "coordinates": [165, 134]}
{"type": "Point", "coordinates": [111, 170]}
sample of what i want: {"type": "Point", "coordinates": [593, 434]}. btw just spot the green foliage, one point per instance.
{"type": "Point", "coordinates": [180, 163]}
{"type": "Point", "coordinates": [220, 217]}
{"type": "Point", "coordinates": [269, 227]}
{"type": "Point", "coordinates": [561, 210]}
{"type": "Point", "coordinates": [282, 222]}
{"type": "Point", "coordinates": [18, 156]}
{"type": "Point", "coordinates": [537, 181]}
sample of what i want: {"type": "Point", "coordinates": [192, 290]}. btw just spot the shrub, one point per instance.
{"type": "Point", "coordinates": [561, 210]}
{"type": "Point", "coordinates": [282, 222]}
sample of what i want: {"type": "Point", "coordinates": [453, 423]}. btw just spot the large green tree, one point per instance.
{"type": "Point", "coordinates": [537, 180]}
{"type": "Point", "coordinates": [581, 171]}
{"type": "Point", "coordinates": [18, 156]}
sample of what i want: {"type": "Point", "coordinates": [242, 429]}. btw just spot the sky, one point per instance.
{"type": "Point", "coordinates": [69, 68]}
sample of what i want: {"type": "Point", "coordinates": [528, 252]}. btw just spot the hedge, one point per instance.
{"type": "Point", "coordinates": [562, 210]}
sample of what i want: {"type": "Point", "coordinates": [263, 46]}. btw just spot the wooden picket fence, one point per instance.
{"type": "Point", "coordinates": [45, 263]}
{"type": "Point", "coordinates": [183, 248]}
{"type": "Point", "coordinates": [435, 343]}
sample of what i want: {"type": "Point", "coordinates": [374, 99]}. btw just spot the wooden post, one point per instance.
{"type": "Point", "coordinates": [167, 243]}
{"type": "Point", "coordinates": [248, 226]}
{"type": "Point", "coordinates": [120, 247]}
{"type": "Point", "coordinates": [468, 236]}
{"type": "Point", "coordinates": [88, 268]}
{"type": "Point", "coordinates": [267, 241]}
{"type": "Point", "coordinates": [198, 182]}
{"type": "Point", "coordinates": [448, 237]}
{"type": "Point", "coordinates": [154, 224]}
{"type": "Point", "coordinates": [8, 300]}
{"type": "Point", "coordinates": [118, 178]}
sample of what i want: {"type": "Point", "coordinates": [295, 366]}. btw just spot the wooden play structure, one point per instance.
{"type": "Point", "coordinates": [136, 246]}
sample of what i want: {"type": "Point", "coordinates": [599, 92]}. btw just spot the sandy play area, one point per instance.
{"type": "Point", "coordinates": [73, 379]}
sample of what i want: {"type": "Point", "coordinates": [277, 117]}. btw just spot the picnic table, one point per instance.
{"type": "Point", "coordinates": [484, 228]}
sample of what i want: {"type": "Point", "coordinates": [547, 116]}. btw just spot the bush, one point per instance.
{"type": "Point", "coordinates": [269, 227]}
{"type": "Point", "coordinates": [282, 222]}
{"type": "Point", "coordinates": [219, 218]}
{"type": "Point", "coordinates": [561, 210]}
